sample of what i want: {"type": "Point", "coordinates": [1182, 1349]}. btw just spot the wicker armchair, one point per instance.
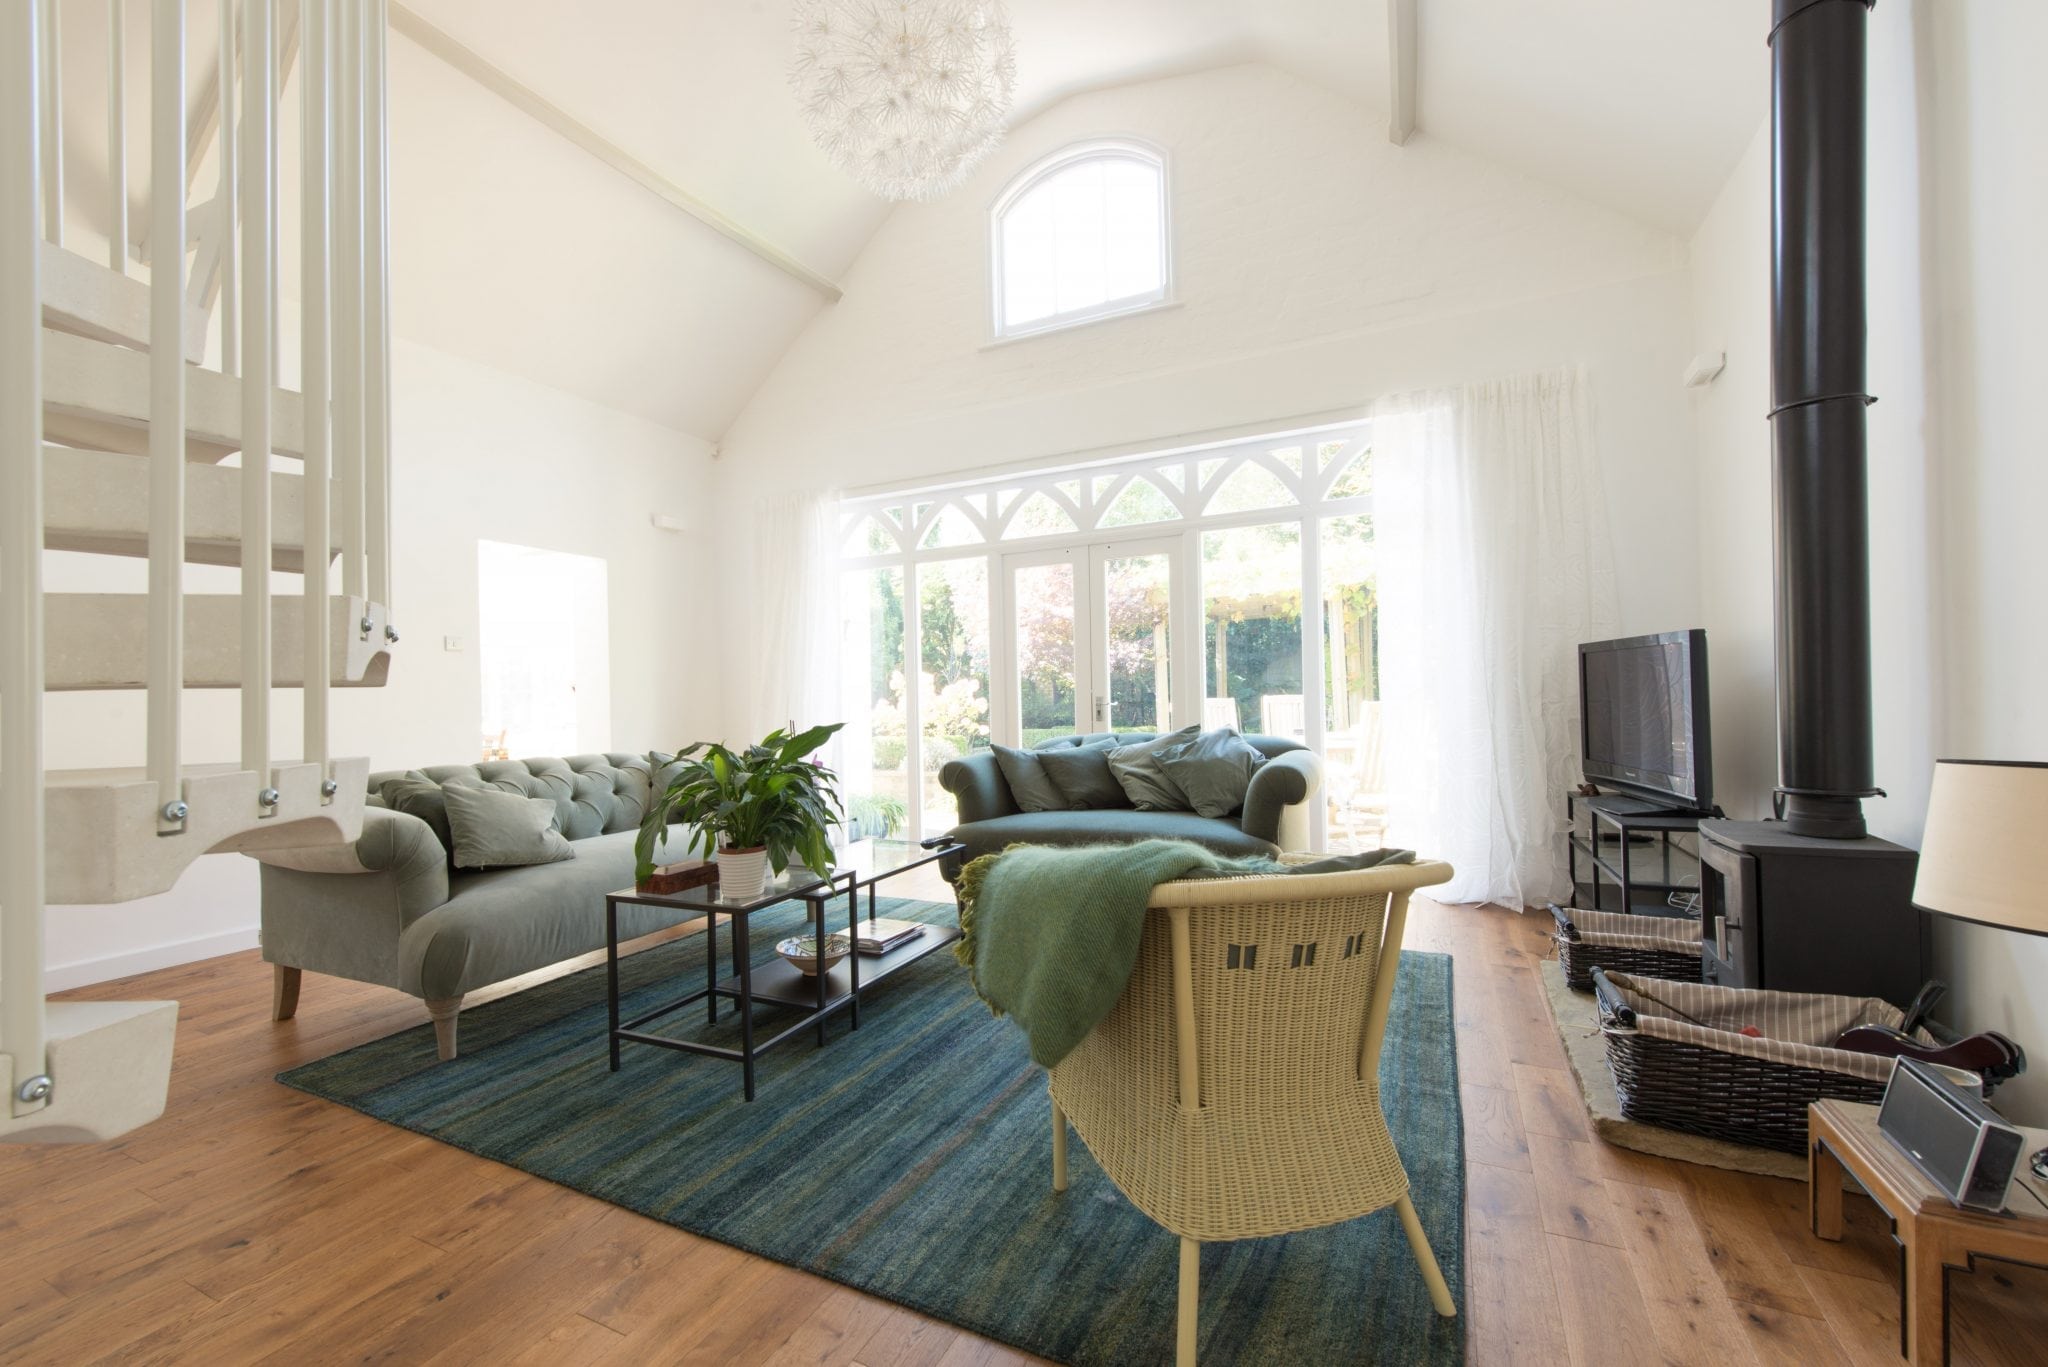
{"type": "Point", "coordinates": [1233, 1092]}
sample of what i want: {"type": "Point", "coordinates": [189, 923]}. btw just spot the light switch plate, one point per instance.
{"type": "Point", "coordinates": [451, 643]}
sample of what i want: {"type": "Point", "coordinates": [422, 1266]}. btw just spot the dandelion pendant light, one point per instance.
{"type": "Point", "coordinates": [905, 96]}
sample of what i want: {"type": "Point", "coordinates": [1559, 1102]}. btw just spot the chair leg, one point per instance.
{"type": "Point", "coordinates": [1190, 1302]}
{"type": "Point", "coordinates": [1418, 1244]}
{"type": "Point", "coordinates": [1059, 1148]}
{"type": "Point", "coordinates": [444, 1010]}
{"type": "Point", "coordinates": [284, 992]}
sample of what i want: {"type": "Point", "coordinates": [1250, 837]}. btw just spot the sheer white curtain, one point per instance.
{"type": "Point", "coordinates": [1495, 564]}
{"type": "Point", "coordinates": [795, 566]}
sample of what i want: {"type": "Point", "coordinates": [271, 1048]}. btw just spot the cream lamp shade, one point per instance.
{"type": "Point", "coordinates": [1984, 856]}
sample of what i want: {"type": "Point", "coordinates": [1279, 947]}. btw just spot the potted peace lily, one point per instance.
{"type": "Point", "coordinates": [755, 810]}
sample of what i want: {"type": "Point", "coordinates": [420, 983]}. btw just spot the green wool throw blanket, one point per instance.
{"type": "Point", "coordinates": [1050, 933]}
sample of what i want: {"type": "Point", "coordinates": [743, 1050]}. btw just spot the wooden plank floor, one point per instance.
{"type": "Point", "coordinates": [253, 1223]}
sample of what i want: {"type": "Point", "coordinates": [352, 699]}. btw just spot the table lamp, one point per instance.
{"type": "Point", "coordinates": [1984, 856]}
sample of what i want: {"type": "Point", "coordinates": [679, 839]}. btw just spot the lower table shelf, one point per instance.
{"type": "Point", "coordinates": [778, 983]}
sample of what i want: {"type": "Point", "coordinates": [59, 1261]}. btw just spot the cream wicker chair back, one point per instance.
{"type": "Point", "coordinates": [1234, 1090]}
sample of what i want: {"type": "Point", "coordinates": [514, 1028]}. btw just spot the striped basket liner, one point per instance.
{"type": "Point", "coordinates": [1680, 1060]}
{"type": "Point", "coordinates": [1645, 946]}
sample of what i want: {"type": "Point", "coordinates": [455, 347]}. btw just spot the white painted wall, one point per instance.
{"type": "Point", "coordinates": [477, 454]}
{"type": "Point", "coordinates": [1317, 267]}
{"type": "Point", "coordinates": [1957, 289]}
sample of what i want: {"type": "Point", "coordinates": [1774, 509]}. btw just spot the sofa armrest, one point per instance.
{"type": "Point", "coordinates": [1276, 804]}
{"type": "Point", "coordinates": [391, 842]}
{"type": "Point", "coordinates": [978, 787]}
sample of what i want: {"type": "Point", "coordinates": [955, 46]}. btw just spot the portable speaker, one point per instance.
{"type": "Point", "coordinates": [1963, 1146]}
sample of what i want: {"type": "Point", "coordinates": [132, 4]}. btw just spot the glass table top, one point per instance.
{"type": "Point", "coordinates": [854, 866]}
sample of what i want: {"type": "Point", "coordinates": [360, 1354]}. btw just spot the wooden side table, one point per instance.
{"type": "Point", "coordinates": [1933, 1234]}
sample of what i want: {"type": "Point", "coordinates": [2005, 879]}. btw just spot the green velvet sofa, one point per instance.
{"type": "Point", "coordinates": [390, 909]}
{"type": "Point", "coordinates": [1274, 818]}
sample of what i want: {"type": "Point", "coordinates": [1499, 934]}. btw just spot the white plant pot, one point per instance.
{"type": "Point", "coordinates": [742, 874]}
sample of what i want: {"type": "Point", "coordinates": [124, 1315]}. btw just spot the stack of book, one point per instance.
{"type": "Point", "coordinates": [882, 935]}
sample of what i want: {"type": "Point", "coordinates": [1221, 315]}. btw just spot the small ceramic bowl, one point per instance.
{"type": "Point", "coordinates": [802, 952]}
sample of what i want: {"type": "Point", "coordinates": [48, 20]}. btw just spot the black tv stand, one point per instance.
{"type": "Point", "coordinates": [1603, 843]}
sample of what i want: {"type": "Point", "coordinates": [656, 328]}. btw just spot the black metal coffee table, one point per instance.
{"type": "Point", "coordinates": [778, 984]}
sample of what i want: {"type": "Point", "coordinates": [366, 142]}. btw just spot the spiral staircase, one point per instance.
{"type": "Point", "coordinates": [140, 417]}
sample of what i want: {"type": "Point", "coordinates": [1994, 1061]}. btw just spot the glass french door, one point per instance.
{"type": "Point", "coordinates": [1091, 633]}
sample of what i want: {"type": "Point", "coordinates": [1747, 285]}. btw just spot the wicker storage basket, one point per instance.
{"type": "Point", "coordinates": [1646, 946]}
{"type": "Point", "coordinates": [1680, 1060]}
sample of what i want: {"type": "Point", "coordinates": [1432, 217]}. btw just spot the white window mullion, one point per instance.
{"type": "Point", "coordinates": [1005, 725]}
{"type": "Point", "coordinates": [1194, 648]}
{"type": "Point", "coordinates": [1312, 684]}
{"type": "Point", "coordinates": [913, 688]}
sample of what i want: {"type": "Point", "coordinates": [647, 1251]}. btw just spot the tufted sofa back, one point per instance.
{"type": "Point", "coordinates": [595, 794]}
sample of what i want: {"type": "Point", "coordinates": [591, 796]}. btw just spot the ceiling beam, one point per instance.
{"type": "Point", "coordinates": [529, 102]}
{"type": "Point", "coordinates": [1400, 70]}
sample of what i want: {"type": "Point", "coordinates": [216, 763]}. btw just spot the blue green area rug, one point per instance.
{"type": "Point", "coordinates": [912, 1159]}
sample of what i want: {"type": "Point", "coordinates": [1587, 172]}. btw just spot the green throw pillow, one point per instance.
{"type": "Point", "coordinates": [1351, 863]}
{"type": "Point", "coordinates": [1214, 770]}
{"type": "Point", "coordinates": [1081, 773]}
{"type": "Point", "coordinates": [1144, 782]}
{"type": "Point", "coordinates": [495, 830]}
{"type": "Point", "coordinates": [421, 797]}
{"type": "Point", "coordinates": [1026, 776]}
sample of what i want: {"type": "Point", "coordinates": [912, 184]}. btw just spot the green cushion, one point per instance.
{"type": "Point", "coordinates": [1081, 773]}
{"type": "Point", "coordinates": [1213, 770]}
{"type": "Point", "coordinates": [421, 797]}
{"type": "Point", "coordinates": [1029, 785]}
{"type": "Point", "coordinates": [1351, 863]}
{"type": "Point", "coordinates": [494, 829]}
{"type": "Point", "coordinates": [1145, 783]}
{"type": "Point", "coordinates": [1098, 828]}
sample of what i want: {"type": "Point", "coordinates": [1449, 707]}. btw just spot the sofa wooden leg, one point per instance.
{"type": "Point", "coordinates": [284, 992]}
{"type": "Point", "coordinates": [444, 1011]}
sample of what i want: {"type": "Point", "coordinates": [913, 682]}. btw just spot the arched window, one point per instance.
{"type": "Point", "coordinates": [1080, 235]}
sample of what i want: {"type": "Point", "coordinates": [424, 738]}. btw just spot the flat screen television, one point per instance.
{"type": "Point", "coordinates": [1643, 716]}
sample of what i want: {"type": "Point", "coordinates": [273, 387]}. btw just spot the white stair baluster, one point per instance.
{"type": "Point", "coordinates": [117, 137]}
{"type": "Point", "coordinates": [226, 195]}
{"type": "Point", "coordinates": [350, 504]}
{"type": "Point", "coordinates": [259, 283]}
{"type": "Point", "coordinates": [377, 309]}
{"type": "Point", "coordinates": [21, 562]}
{"type": "Point", "coordinates": [315, 25]}
{"type": "Point", "coordinates": [52, 87]}
{"type": "Point", "coordinates": [166, 664]}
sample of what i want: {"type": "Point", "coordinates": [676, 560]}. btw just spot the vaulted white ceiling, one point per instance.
{"type": "Point", "coordinates": [511, 246]}
{"type": "Point", "coordinates": [1641, 105]}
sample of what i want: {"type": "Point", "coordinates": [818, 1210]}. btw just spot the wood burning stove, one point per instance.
{"type": "Point", "coordinates": [1802, 914]}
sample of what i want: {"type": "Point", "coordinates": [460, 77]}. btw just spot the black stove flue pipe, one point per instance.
{"type": "Point", "coordinates": [1822, 522]}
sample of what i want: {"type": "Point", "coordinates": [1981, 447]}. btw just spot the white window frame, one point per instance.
{"type": "Point", "coordinates": [991, 502]}
{"type": "Point", "coordinates": [1076, 154]}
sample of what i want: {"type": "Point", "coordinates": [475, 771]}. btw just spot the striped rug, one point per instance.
{"type": "Point", "coordinates": [912, 1159]}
